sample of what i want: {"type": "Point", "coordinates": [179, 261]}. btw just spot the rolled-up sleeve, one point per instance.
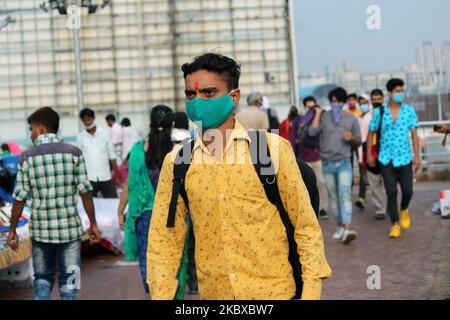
{"type": "Point", "coordinates": [315, 131]}
{"type": "Point", "coordinates": [165, 245]}
{"type": "Point", "coordinates": [375, 122]}
{"type": "Point", "coordinates": [413, 123]}
{"type": "Point", "coordinates": [81, 180]}
{"type": "Point", "coordinates": [22, 189]}
{"type": "Point", "coordinates": [308, 233]}
{"type": "Point", "coordinates": [111, 151]}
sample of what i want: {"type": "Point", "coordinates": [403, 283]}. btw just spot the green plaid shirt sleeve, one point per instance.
{"type": "Point", "coordinates": [22, 190]}
{"type": "Point", "coordinates": [83, 184]}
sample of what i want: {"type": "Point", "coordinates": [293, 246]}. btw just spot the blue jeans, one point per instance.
{"type": "Point", "coordinates": [49, 258]}
{"type": "Point", "coordinates": [338, 180]}
{"type": "Point", "coordinates": [142, 228]}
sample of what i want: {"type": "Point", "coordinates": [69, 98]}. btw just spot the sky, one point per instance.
{"type": "Point", "coordinates": [330, 31]}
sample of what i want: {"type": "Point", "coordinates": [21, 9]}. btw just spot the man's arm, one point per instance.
{"type": "Point", "coordinates": [165, 246]}
{"type": "Point", "coordinates": [414, 125]}
{"type": "Point", "coordinates": [354, 141]}
{"type": "Point", "coordinates": [84, 188]}
{"type": "Point", "coordinates": [354, 137]}
{"type": "Point", "coordinates": [115, 168]}
{"type": "Point", "coordinates": [308, 233]}
{"type": "Point", "coordinates": [112, 160]}
{"type": "Point", "coordinates": [445, 128]}
{"type": "Point", "coordinates": [88, 204]}
{"type": "Point", "coordinates": [370, 160]}
{"type": "Point", "coordinates": [315, 128]}
{"type": "Point", "coordinates": [415, 143]}
{"type": "Point", "coordinates": [21, 193]}
{"type": "Point", "coordinates": [13, 239]}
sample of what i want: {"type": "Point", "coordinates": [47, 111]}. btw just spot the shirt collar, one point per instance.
{"type": "Point", "coordinates": [47, 138]}
{"type": "Point", "coordinates": [238, 133]}
{"type": "Point", "coordinates": [98, 130]}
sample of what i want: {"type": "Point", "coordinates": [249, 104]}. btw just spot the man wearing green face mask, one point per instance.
{"type": "Point", "coordinates": [241, 243]}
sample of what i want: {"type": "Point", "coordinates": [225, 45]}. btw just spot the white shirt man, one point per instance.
{"type": "Point", "coordinates": [99, 154]}
{"type": "Point", "coordinates": [116, 135]}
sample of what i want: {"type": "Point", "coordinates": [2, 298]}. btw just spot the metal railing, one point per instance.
{"type": "Point", "coordinates": [434, 156]}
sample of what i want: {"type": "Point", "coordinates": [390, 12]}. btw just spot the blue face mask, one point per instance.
{"type": "Point", "coordinates": [210, 113]}
{"type": "Point", "coordinates": [399, 97]}
{"type": "Point", "coordinates": [364, 108]}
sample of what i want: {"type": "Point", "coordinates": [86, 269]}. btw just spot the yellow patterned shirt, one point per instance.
{"type": "Point", "coordinates": [241, 243]}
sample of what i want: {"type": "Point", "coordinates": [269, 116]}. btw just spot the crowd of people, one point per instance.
{"type": "Point", "coordinates": [372, 130]}
{"type": "Point", "coordinates": [178, 182]}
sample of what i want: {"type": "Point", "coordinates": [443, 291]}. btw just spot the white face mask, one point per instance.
{"type": "Point", "coordinates": [90, 127]}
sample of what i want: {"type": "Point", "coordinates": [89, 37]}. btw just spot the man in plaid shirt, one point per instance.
{"type": "Point", "coordinates": [50, 175]}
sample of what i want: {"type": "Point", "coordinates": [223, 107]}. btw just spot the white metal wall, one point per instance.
{"type": "Point", "coordinates": [132, 51]}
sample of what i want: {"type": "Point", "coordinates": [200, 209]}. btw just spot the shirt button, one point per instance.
{"type": "Point", "coordinates": [233, 277]}
{"type": "Point", "coordinates": [221, 196]}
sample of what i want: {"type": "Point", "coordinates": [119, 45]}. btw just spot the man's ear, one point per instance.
{"type": "Point", "coordinates": [236, 96]}
{"type": "Point", "coordinates": [41, 129]}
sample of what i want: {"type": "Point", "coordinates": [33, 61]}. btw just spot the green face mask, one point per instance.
{"type": "Point", "coordinates": [210, 113]}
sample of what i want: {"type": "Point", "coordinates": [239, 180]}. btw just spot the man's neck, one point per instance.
{"type": "Point", "coordinates": [394, 105]}
{"type": "Point", "coordinates": [92, 131]}
{"type": "Point", "coordinates": [228, 125]}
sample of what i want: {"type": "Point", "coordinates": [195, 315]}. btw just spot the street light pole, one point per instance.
{"type": "Point", "coordinates": [74, 23]}
{"type": "Point", "coordinates": [439, 97]}
{"type": "Point", "coordinates": [79, 69]}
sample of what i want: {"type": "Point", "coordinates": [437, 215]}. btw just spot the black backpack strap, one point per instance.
{"type": "Point", "coordinates": [260, 155]}
{"type": "Point", "coordinates": [180, 169]}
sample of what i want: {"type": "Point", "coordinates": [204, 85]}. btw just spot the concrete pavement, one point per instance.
{"type": "Point", "coordinates": [416, 266]}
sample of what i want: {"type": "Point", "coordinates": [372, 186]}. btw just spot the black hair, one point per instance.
{"type": "Point", "coordinates": [110, 117]}
{"type": "Point", "coordinates": [352, 96]}
{"type": "Point", "coordinates": [394, 83]}
{"type": "Point", "coordinates": [339, 93]}
{"type": "Point", "coordinates": [308, 99]}
{"type": "Point", "coordinates": [47, 117]}
{"type": "Point", "coordinates": [376, 92]}
{"type": "Point", "coordinates": [86, 112]}
{"type": "Point", "coordinates": [224, 66]}
{"type": "Point", "coordinates": [160, 139]}
{"type": "Point", "coordinates": [126, 122]}
{"type": "Point", "coordinates": [5, 147]}
{"type": "Point", "coordinates": [181, 120]}
{"type": "Point", "coordinates": [293, 112]}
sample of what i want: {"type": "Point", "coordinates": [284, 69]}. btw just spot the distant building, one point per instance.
{"type": "Point", "coordinates": [435, 63]}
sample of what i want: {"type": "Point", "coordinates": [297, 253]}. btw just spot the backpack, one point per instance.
{"type": "Point", "coordinates": [303, 139]}
{"type": "Point", "coordinates": [375, 148]}
{"type": "Point", "coordinates": [269, 181]}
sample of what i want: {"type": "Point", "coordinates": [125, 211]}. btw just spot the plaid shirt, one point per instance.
{"type": "Point", "coordinates": [50, 174]}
